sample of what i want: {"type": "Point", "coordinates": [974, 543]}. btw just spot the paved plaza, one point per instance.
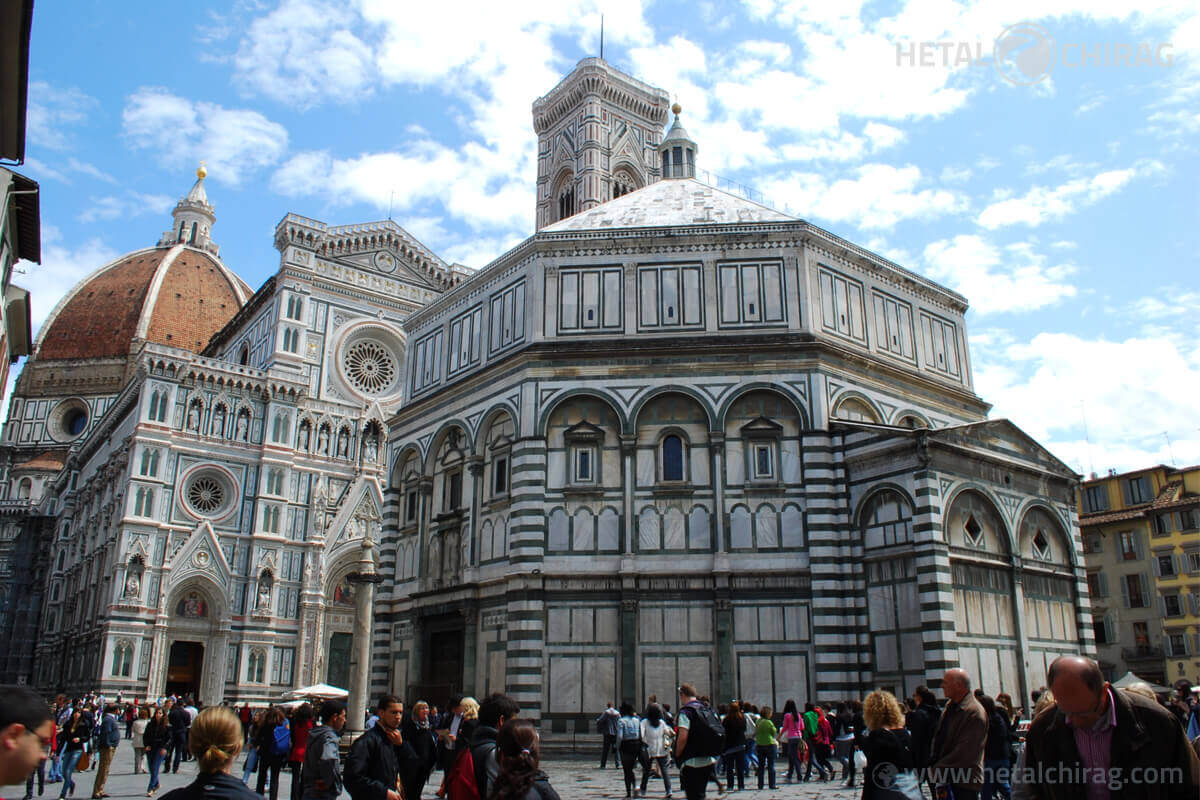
{"type": "Point", "coordinates": [573, 778]}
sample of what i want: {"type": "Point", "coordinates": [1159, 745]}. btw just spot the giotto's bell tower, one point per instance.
{"type": "Point", "coordinates": [598, 135]}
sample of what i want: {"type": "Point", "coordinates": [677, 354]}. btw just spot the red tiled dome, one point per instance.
{"type": "Point", "coordinates": [178, 296]}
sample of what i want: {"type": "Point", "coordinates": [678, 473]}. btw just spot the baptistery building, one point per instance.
{"type": "Point", "coordinates": [674, 436]}
{"type": "Point", "coordinates": [680, 436]}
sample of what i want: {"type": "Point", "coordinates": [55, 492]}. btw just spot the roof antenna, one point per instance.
{"type": "Point", "coordinates": [1170, 450]}
{"type": "Point", "coordinates": [391, 197]}
{"type": "Point", "coordinates": [1087, 438]}
{"type": "Point", "coordinates": [601, 37]}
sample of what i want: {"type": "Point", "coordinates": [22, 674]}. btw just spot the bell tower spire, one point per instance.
{"type": "Point", "coordinates": [193, 218]}
{"type": "Point", "coordinates": [598, 134]}
{"type": "Point", "coordinates": [677, 153]}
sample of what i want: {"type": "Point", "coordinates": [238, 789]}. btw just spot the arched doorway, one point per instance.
{"type": "Point", "coordinates": [192, 651]}
{"type": "Point", "coordinates": [185, 666]}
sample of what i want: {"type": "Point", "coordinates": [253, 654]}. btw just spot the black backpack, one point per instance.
{"type": "Point", "coordinates": [706, 734]}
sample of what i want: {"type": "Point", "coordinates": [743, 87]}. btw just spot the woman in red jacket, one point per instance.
{"type": "Point", "coordinates": [302, 723]}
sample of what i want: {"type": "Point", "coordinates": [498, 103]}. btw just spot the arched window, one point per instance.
{"type": "Point", "coordinates": [162, 406]}
{"type": "Point", "coordinates": [566, 201]}
{"type": "Point", "coordinates": [275, 482]}
{"type": "Point", "coordinates": [24, 488]}
{"type": "Point", "coordinates": [192, 238]}
{"type": "Point", "coordinates": [623, 183]}
{"type": "Point", "coordinates": [672, 458]}
{"type": "Point", "coordinates": [154, 396]}
{"type": "Point", "coordinates": [855, 410]}
{"type": "Point", "coordinates": [912, 421]}
{"type": "Point", "coordinates": [244, 354]}
{"type": "Point", "coordinates": [122, 665]}
{"type": "Point", "coordinates": [256, 666]}
{"type": "Point", "coordinates": [182, 230]}
{"type": "Point", "coordinates": [886, 520]}
{"type": "Point", "coordinates": [281, 428]}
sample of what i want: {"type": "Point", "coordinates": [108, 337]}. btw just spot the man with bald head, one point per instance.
{"type": "Point", "coordinates": [1098, 742]}
{"type": "Point", "coordinates": [956, 756]}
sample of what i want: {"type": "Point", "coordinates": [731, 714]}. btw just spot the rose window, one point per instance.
{"type": "Point", "coordinates": [209, 493]}
{"type": "Point", "coordinates": [370, 366]}
{"type": "Point", "coordinates": [206, 494]}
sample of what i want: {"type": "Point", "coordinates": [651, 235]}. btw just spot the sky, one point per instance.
{"type": "Point", "coordinates": [1041, 157]}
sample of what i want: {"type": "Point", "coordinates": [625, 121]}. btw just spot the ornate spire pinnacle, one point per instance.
{"type": "Point", "coordinates": [678, 151]}
{"type": "Point", "coordinates": [193, 218]}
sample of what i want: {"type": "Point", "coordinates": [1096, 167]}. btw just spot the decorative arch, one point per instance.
{"type": "Point", "coordinates": [722, 416]}
{"type": "Point", "coordinates": [884, 516]}
{"type": "Point", "coordinates": [862, 508]}
{"type": "Point", "coordinates": [972, 498]}
{"type": "Point", "coordinates": [407, 453]}
{"type": "Point", "coordinates": [201, 588]}
{"type": "Point", "coordinates": [447, 429]}
{"type": "Point", "coordinates": [1035, 516]}
{"type": "Point", "coordinates": [901, 418]}
{"type": "Point", "coordinates": [563, 201]}
{"type": "Point", "coordinates": [486, 422]}
{"type": "Point", "coordinates": [852, 402]}
{"type": "Point", "coordinates": [595, 394]}
{"type": "Point", "coordinates": [704, 403]}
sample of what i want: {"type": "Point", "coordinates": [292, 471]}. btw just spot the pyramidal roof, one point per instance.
{"type": "Point", "coordinates": [667, 203]}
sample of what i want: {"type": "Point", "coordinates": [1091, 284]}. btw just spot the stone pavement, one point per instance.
{"type": "Point", "coordinates": [574, 778]}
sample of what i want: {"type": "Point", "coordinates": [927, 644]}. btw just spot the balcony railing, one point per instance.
{"type": "Point", "coordinates": [1141, 653]}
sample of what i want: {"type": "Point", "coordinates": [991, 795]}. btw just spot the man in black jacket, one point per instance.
{"type": "Point", "coordinates": [179, 720]}
{"type": "Point", "coordinates": [1100, 742]}
{"type": "Point", "coordinates": [493, 712]}
{"type": "Point", "coordinates": [380, 759]}
{"type": "Point", "coordinates": [921, 723]}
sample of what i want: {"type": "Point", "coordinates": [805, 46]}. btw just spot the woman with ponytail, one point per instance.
{"type": "Point", "coordinates": [517, 752]}
{"type": "Point", "coordinates": [215, 740]}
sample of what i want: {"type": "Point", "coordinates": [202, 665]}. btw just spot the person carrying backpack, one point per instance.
{"type": "Point", "coordinates": [699, 739]}
{"type": "Point", "coordinates": [321, 773]}
{"type": "Point", "coordinates": [274, 740]}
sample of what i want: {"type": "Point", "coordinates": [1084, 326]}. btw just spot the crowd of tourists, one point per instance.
{"type": "Point", "coordinates": [1084, 740]}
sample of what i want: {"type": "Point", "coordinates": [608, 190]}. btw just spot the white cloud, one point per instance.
{"type": "Point", "coordinates": [1043, 204]}
{"type": "Point", "coordinates": [995, 279]}
{"type": "Point", "coordinates": [1129, 391]}
{"type": "Point", "coordinates": [879, 196]}
{"type": "Point", "coordinates": [235, 143]}
{"type": "Point", "coordinates": [62, 267]}
{"type": "Point", "coordinates": [132, 204]}
{"type": "Point", "coordinates": [52, 112]}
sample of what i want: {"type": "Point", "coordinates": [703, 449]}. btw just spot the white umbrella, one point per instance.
{"type": "Point", "coordinates": [322, 691]}
{"type": "Point", "coordinates": [1128, 679]}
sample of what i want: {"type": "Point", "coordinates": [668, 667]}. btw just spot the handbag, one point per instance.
{"type": "Point", "coordinates": [84, 762]}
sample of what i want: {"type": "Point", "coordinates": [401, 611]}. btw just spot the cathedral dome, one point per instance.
{"type": "Point", "coordinates": [173, 295]}
{"type": "Point", "coordinates": [177, 293]}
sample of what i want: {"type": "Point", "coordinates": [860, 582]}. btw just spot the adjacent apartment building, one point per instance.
{"type": "Point", "coordinates": [1141, 540]}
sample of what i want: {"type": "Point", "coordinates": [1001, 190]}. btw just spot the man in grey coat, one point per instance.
{"type": "Point", "coordinates": [322, 777]}
{"type": "Point", "coordinates": [956, 756]}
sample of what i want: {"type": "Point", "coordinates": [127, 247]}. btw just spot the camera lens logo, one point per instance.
{"type": "Point", "coordinates": [1023, 54]}
{"type": "Point", "coordinates": [885, 776]}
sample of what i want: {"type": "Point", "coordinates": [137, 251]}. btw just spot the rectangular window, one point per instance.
{"type": "Point", "coordinates": [590, 300]}
{"type": "Point", "coordinates": [1193, 561]}
{"type": "Point", "coordinates": [1171, 605]}
{"type": "Point", "coordinates": [427, 365]}
{"type": "Point", "coordinates": [841, 305]}
{"type": "Point", "coordinates": [1162, 524]}
{"type": "Point", "coordinates": [1166, 565]}
{"type": "Point", "coordinates": [1128, 544]}
{"type": "Point", "coordinates": [499, 476]}
{"type": "Point", "coordinates": [752, 294]}
{"type": "Point", "coordinates": [584, 466]}
{"type": "Point", "coordinates": [764, 461]}
{"type": "Point", "coordinates": [1176, 644]}
{"type": "Point", "coordinates": [893, 326]}
{"type": "Point", "coordinates": [1095, 498]}
{"type": "Point", "coordinates": [464, 340]}
{"type": "Point", "coordinates": [670, 297]}
{"type": "Point", "coordinates": [1093, 583]}
{"type": "Point", "coordinates": [1187, 519]}
{"type": "Point", "coordinates": [940, 344]}
{"type": "Point", "coordinates": [508, 317]}
{"type": "Point", "coordinates": [1100, 629]}
{"type": "Point", "coordinates": [410, 505]}
{"type": "Point", "coordinates": [1137, 491]}
{"type": "Point", "coordinates": [1134, 594]}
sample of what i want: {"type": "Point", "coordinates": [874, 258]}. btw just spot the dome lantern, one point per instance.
{"type": "Point", "coordinates": [193, 218]}
{"type": "Point", "coordinates": [677, 151]}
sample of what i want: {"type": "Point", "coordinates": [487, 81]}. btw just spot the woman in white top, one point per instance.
{"type": "Point", "coordinates": [657, 736]}
{"type": "Point", "coordinates": [139, 748]}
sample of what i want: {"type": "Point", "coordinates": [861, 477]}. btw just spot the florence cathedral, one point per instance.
{"type": "Point", "coordinates": [674, 435]}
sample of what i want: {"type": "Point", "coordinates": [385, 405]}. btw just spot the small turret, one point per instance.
{"type": "Point", "coordinates": [677, 151]}
{"type": "Point", "coordinates": [193, 218]}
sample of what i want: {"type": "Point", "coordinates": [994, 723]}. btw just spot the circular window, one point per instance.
{"type": "Point", "coordinates": [369, 366]}
{"type": "Point", "coordinates": [208, 492]}
{"type": "Point", "coordinates": [68, 420]}
{"type": "Point", "coordinates": [370, 360]}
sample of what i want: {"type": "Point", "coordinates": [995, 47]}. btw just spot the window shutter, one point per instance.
{"type": "Point", "coordinates": [1139, 546]}
{"type": "Point", "coordinates": [1125, 590]}
{"type": "Point", "coordinates": [1162, 604]}
{"type": "Point", "coordinates": [1108, 630]}
{"type": "Point", "coordinates": [1102, 579]}
{"type": "Point", "coordinates": [1175, 564]}
{"type": "Point", "coordinates": [1145, 591]}
{"type": "Point", "coordinates": [1157, 568]}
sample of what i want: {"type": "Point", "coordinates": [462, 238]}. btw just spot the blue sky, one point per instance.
{"type": "Point", "coordinates": [1065, 210]}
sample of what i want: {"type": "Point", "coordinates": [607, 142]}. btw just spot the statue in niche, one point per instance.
{"type": "Point", "coordinates": [193, 418]}
{"type": "Point", "coordinates": [133, 585]}
{"type": "Point", "coordinates": [305, 435]}
{"type": "Point", "coordinates": [343, 443]}
{"type": "Point", "coordinates": [264, 596]}
{"type": "Point", "coordinates": [243, 426]}
{"type": "Point", "coordinates": [323, 440]}
{"type": "Point", "coordinates": [219, 421]}
{"type": "Point", "coordinates": [371, 448]}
